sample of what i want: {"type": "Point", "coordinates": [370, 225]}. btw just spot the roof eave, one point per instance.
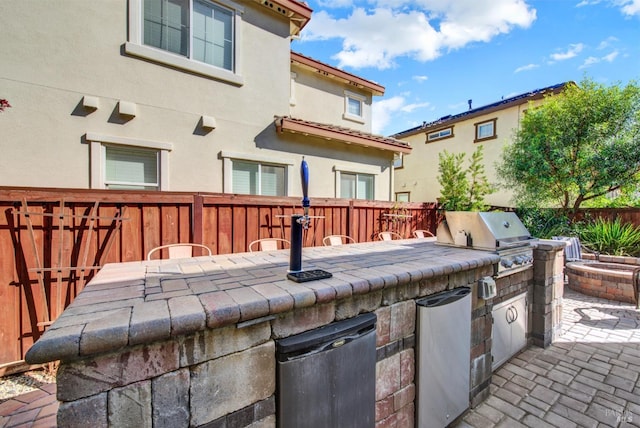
{"type": "Point", "coordinates": [336, 73]}
{"type": "Point", "coordinates": [285, 124]}
{"type": "Point", "coordinates": [298, 13]}
{"type": "Point", "coordinates": [480, 111]}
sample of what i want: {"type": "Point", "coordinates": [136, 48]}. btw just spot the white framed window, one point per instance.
{"type": "Point", "coordinates": [253, 178]}
{"type": "Point", "coordinates": [440, 134]}
{"type": "Point", "coordinates": [131, 168]}
{"type": "Point", "coordinates": [126, 163]}
{"type": "Point", "coordinates": [356, 182]}
{"type": "Point", "coordinates": [200, 36]}
{"type": "Point", "coordinates": [356, 186]}
{"type": "Point", "coordinates": [255, 174]}
{"type": "Point", "coordinates": [402, 196]}
{"type": "Point", "coordinates": [485, 130]}
{"type": "Point", "coordinates": [354, 106]}
{"type": "Point", "coordinates": [398, 160]}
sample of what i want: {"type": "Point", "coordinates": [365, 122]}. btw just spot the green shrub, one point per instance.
{"type": "Point", "coordinates": [463, 190]}
{"type": "Point", "coordinates": [610, 237]}
{"type": "Point", "coordinates": [545, 223]}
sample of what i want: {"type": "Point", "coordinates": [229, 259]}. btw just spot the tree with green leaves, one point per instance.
{"type": "Point", "coordinates": [462, 190]}
{"type": "Point", "coordinates": [575, 146]}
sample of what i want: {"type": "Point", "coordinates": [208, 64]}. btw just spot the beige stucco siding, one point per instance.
{"type": "Point", "coordinates": [58, 52]}
{"type": "Point", "coordinates": [329, 158]}
{"type": "Point", "coordinates": [420, 171]}
{"type": "Point", "coordinates": [323, 100]}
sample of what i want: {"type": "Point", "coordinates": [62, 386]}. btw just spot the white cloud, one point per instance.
{"type": "Point", "coordinates": [587, 3]}
{"type": "Point", "coordinates": [409, 108]}
{"type": "Point", "coordinates": [594, 60]}
{"type": "Point", "coordinates": [420, 79]}
{"type": "Point", "coordinates": [589, 62]}
{"type": "Point", "coordinates": [607, 42]}
{"type": "Point", "coordinates": [571, 52]}
{"type": "Point", "coordinates": [627, 7]}
{"type": "Point", "coordinates": [526, 68]}
{"type": "Point", "coordinates": [384, 110]}
{"type": "Point", "coordinates": [335, 4]}
{"type": "Point", "coordinates": [611, 57]}
{"type": "Point", "coordinates": [422, 29]}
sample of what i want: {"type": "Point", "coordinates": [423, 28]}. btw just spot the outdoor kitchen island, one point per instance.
{"type": "Point", "coordinates": [192, 342]}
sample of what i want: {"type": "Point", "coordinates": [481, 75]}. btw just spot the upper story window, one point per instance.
{"type": "Point", "coordinates": [354, 106]}
{"type": "Point", "coordinates": [440, 134]}
{"type": "Point", "coordinates": [200, 36]}
{"type": "Point", "coordinates": [485, 130]}
{"type": "Point", "coordinates": [196, 29]}
{"type": "Point", "coordinates": [398, 161]}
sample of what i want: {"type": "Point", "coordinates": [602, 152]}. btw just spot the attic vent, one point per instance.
{"type": "Point", "coordinates": [277, 8]}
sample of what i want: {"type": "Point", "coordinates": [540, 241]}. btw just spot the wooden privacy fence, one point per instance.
{"type": "Point", "coordinates": [52, 241]}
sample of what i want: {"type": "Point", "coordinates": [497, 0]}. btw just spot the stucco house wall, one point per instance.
{"type": "Point", "coordinates": [323, 100]}
{"type": "Point", "coordinates": [78, 78]}
{"type": "Point", "coordinates": [419, 172]}
{"type": "Point", "coordinates": [59, 53]}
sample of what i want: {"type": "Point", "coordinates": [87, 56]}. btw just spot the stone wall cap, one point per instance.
{"type": "Point", "coordinates": [221, 290]}
{"type": "Point", "coordinates": [550, 244]}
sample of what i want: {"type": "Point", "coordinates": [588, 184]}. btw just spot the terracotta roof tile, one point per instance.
{"type": "Point", "coordinates": [340, 133]}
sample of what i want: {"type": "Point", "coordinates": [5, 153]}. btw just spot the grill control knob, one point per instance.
{"type": "Point", "coordinates": [506, 263]}
{"type": "Point", "coordinates": [518, 260]}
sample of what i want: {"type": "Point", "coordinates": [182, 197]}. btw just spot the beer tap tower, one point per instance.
{"type": "Point", "coordinates": [299, 223]}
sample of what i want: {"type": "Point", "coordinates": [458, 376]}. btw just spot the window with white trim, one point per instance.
{"type": "Point", "coordinates": [196, 29]}
{"type": "Point", "coordinates": [354, 106]}
{"type": "Point", "coordinates": [127, 163]}
{"type": "Point", "coordinates": [254, 178]}
{"type": "Point", "coordinates": [131, 168]}
{"type": "Point", "coordinates": [440, 134]}
{"type": "Point", "coordinates": [398, 160]}
{"type": "Point", "coordinates": [402, 196]}
{"type": "Point", "coordinates": [485, 130]}
{"type": "Point", "coordinates": [201, 36]}
{"type": "Point", "coordinates": [356, 185]}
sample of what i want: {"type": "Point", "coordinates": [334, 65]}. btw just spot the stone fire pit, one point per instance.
{"type": "Point", "coordinates": [611, 277]}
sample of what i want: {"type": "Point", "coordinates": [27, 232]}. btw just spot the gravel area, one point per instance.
{"type": "Point", "coordinates": [18, 384]}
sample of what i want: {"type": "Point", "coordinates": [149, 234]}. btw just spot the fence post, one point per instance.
{"type": "Point", "coordinates": [196, 219]}
{"type": "Point", "coordinates": [349, 220]}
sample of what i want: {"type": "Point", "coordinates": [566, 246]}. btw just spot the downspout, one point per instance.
{"type": "Point", "coordinates": [391, 181]}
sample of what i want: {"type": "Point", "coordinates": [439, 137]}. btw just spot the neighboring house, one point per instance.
{"type": "Point", "coordinates": [190, 95]}
{"type": "Point", "coordinates": [493, 126]}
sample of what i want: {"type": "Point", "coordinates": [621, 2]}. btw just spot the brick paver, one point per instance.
{"type": "Point", "coordinates": [588, 378]}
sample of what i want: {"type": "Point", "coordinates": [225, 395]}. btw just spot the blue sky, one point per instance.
{"type": "Point", "coordinates": [432, 56]}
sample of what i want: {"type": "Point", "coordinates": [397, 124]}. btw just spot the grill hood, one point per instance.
{"type": "Point", "coordinates": [483, 230]}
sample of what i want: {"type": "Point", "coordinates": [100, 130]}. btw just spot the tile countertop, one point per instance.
{"type": "Point", "coordinates": [133, 303]}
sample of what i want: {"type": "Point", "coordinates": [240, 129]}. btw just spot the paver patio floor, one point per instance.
{"type": "Point", "coordinates": [588, 378]}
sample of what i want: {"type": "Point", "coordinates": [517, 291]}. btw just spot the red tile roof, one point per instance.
{"type": "Point", "coordinates": [339, 133]}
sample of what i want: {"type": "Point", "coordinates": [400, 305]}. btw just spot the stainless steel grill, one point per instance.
{"type": "Point", "coordinates": [500, 232]}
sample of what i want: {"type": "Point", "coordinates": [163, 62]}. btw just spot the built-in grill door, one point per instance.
{"type": "Point", "coordinates": [327, 376]}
